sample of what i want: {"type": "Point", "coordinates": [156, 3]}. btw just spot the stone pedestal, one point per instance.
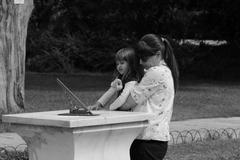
{"type": "Point", "coordinates": [107, 136]}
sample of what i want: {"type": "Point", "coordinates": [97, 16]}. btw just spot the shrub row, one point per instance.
{"type": "Point", "coordinates": [69, 53]}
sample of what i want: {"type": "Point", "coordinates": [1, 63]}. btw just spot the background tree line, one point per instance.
{"type": "Point", "coordinates": [69, 36]}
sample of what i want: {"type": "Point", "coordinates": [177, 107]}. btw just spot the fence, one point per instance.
{"type": "Point", "coordinates": [188, 136]}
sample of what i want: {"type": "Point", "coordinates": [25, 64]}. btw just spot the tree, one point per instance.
{"type": "Point", "coordinates": [13, 32]}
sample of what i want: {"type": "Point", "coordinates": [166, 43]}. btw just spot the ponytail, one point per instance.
{"type": "Point", "coordinates": [171, 62]}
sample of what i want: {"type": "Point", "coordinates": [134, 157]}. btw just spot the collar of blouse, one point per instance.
{"type": "Point", "coordinates": [162, 62]}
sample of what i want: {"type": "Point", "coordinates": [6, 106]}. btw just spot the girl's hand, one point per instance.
{"type": "Point", "coordinates": [117, 84]}
{"type": "Point", "coordinates": [96, 106]}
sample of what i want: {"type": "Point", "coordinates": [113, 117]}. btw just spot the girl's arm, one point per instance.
{"type": "Point", "coordinates": [106, 97]}
{"type": "Point", "coordinates": [129, 104]}
{"type": "Point", "coordinates": [123, 96]}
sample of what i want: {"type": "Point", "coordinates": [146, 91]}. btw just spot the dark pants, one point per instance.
{"type": "Point", "coordinates": [148, 150]}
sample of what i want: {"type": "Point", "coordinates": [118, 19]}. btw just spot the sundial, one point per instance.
{"type": "Point", "coordinates": [77, 107]}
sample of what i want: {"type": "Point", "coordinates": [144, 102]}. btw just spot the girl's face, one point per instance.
{"type": "Point", "coordinates": [122, 66]}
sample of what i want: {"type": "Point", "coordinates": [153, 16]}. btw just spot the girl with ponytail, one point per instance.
{"type": "Point", "coordinates": [154, 94]}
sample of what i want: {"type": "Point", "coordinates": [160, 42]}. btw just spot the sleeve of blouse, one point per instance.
{"type": "Point", "coordinates": [107, 96]}
{"type": "Point", "coordinates": [152, 82]}
{"type": "Point", "coordinates": [123, 96]}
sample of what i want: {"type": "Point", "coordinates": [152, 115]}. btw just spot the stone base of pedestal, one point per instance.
{"type": "Point", "coordinates": [95, 143]}
{"type": "Point", "coordinates": [50, 136]}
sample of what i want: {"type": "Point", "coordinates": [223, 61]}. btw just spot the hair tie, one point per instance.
{"type": "Point", "coordinates": [163, 39]}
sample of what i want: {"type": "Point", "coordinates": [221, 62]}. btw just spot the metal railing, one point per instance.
{"type": "Point", "coordinates": [189, 136]}
{"type": "Point", "coordinates": [14, 153]}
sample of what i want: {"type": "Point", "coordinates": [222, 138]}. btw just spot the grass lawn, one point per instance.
{"type": "Point", "coordinates": [195, 98]}
{"type": "Point", "coordinates": [207, 150]}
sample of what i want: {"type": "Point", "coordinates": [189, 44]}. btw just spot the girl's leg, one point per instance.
{"type": "Point", "coordinates": [148, 150]}
{"type": "Point", "coordinates": [134, 149]}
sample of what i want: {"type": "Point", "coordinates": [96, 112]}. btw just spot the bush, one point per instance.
{"type": "Point", "coordinates": [185, 54]}
{"type": "Point", "coordinates": [92, 51]}
{"type": "Point", "coordinates": [218, 63]}
{"type": "Point", "coordinates": [204, 61]}
{"type": "Point", "coordinates": [48, 53]}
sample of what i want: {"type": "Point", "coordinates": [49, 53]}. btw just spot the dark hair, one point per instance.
{"type": "Point", "coordinates": [151, 44]}
{"type": "Point", "coordinates": [135, 71]}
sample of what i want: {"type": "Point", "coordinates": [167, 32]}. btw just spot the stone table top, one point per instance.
{"type": "Point", "coordinates": [52, 118]}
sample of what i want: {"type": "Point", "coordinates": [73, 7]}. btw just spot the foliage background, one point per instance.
{"type": "Point", "coordinates": [72, 36]}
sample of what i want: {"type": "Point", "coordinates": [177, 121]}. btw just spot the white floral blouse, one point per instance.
{"type": "Point", "coordinates": [155, 94]}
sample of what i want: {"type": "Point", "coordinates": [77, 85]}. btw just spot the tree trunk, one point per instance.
{"type": "Point", "coordinates": [13, 32]}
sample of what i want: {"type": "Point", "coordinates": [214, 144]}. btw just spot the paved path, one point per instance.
{"type": "Point", "coordinates": [14, 140]}
{"type": "Point", "coordinates": [210, 123]}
